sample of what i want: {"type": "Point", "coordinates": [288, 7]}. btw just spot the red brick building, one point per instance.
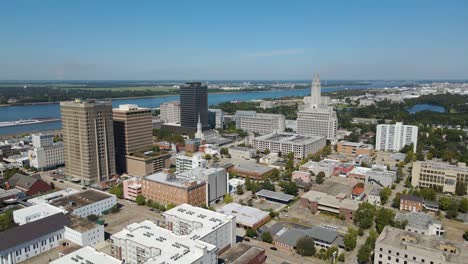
{"type": "Point", "coordinates": [411, 203]}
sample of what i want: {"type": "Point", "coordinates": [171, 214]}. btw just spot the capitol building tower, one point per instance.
{"type": "Point", "coordinates": [317, 118]}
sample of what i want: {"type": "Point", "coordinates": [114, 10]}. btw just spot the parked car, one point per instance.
{"type": "Point", "coordinates": [273, 248]}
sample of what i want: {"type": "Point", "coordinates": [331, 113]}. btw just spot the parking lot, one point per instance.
{"type": "Point", "coordinates": [129, 213]}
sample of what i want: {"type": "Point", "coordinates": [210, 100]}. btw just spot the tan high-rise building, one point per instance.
{"type": "Point", "coordinates": [133, 130]}
{"type": "Point", "coordinates": [88, 138]}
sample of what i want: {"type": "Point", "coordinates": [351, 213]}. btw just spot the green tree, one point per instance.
{"type": "Point", "coordinates": [463, 206]}
{"type": "Point", "coordinates": [239, 190]}
{"type": "Point", "coordinates": [364, 215]}
{"type": "Point", "coordinates": [305, 246]}
{"type": "Point", "coordinates": [465, 235]}
{"type": "Point", "coordinates": [266, 151]}
{"type": "Point", "coordinates": [170, 206]}
{"type": "Point", "coordinates": [92, 217]}
{"type": "Point", "coordinates": [250, 232]}
{"type": "Point", "coordinates": [341, 257]}
{"type": "Point", "coordinates": [140, 200]}
{"type": "Point", "coordinates": [224, 151]}
{"type": "Point", "coordinates": [350, 239]}
{"type": "Point", "coordinates": [6, 220]}
{"type": "Point", "coordinates": [267, 185]}
{"type": "Point", "coordinates": [384, 195]}
{"type": "Point", "coordinates": [228, 198]}
{"type": "Point", "coordinates": [266, 237]}
{"type": "Point", "coordinates": [117, 190]}
{"type": "Point", "coordinates": [444, 203]}
{"type": "Point", "coordinates": [428, 194]}
{"type": "Point", "coordinates": [320, 178]}
{"type": "Point", "coordinates": [208, 157]}
{"type": "Point", "coordinates": [383, 218]}
{"type": "Point", "coordinates": [452, 210]}
{"type": "Point", "coordinates": [289, 188]}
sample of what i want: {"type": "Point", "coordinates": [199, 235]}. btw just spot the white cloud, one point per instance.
{"type": "Point", "coordinates": [272, 53]}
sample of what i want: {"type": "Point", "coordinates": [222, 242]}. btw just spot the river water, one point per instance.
{"type": "Point", "coordinates": [11, 113]}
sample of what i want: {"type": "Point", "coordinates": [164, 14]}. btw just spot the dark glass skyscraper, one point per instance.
{"type": "Point", "coordinates": [194, 103]}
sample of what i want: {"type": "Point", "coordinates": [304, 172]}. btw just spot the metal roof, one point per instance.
{"type": "Point", "coordinates": [275, 195]}
{"type": "Point", "coordinates": [33, 230]}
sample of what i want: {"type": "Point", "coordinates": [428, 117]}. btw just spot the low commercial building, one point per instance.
{"type": "Point", "coordinates": [30, 185]}
{"type": "Point", "coordinates": [86, 255]}
{"type": "Point", "coordinates": [358, 173]}
{"type": "Point", "coordinates": [246, 216]}
{"type": "Point", "coordinates": [379, 175]}
{"type": "Point", "coordinates": [261, 123]}
{"type": "Point", "coordinates": [194, 235]}
{"type": "Point", "coordinates": [355, 149]}
{"type": "Point", "coordinates": [319, 201]}
{"type": "Point", "coordinates": [145, 163]}
{"type": "Point", "coordinates": [327, 166]}
{"type": "Point", "coordinates": [89, 202]}
{"type": "Point", "coordinates": [396, 246]}
{"type": "Point", "coordinates": [429, 174]}
{"type": "Point", "coordinates": [193, 145]}
{"type": "Point", "coordinates": [342, 169]}
{"type": "Point", "coordinates": [421, 223]}
{"type": "Point", "coordinates": [167, 188]}
{"type": "Point", "coordinates": [241, 152]}
{"type": "Point", "coordinates": [269, 159]}
{"type": "Point", "coordinates": [275, 196]}
{"type": "Point", "coordinates": [26, 241]}
{"type": "Point", "coordinates": [31, 239]}
{"type": "Point", "coordinates": [10, 194]}
{"type": "Point", "coordinates": [215, 178]}
{"type": "Point", "coordinates": [35, 212]}
{"type": "Point", "coordinates": [373, 197]}
{"type": "Point", "coordinates": [323, 237]}
{"type": "Point", "coordinates": [131, 188]}
{"type": "Point", "coordinates": [285, 143]}
{"type": "Point", "coordinates": [50, 197]}
{"type": "Point", "coordinates": [411, 203]}
{"type": "Point", "coordinates": [242, 253]}
{"type": "Point", "coordinates": [251, 170]}
{"type": "Point", "coordinates": [301, 176]}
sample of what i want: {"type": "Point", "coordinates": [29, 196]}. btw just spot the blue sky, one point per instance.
{"type": "Point", "coordinates": [161, 40]}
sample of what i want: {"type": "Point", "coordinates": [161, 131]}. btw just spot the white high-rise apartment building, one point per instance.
{"type": "Point", "coordinates": [170, 112]}
{"type": "Point", "coordinates": [317, 118]}
{"type": "Point", "coordinates": [46, 154]}
{"type": "Point", "coordinates": [193, 235]}
{"type": "Point", "coordinates": [251, 121]}
{"type": "Point", "coordinates": [395, 137]}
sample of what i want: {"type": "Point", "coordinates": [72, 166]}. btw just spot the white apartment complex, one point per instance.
{"type": "Point", "coordinates": [193, 235]}
{"type": "Point", "coordinates": [86, 255]}
{"type": "Point", "coordinates": [429, 174]}
{"type": "Point", "coordinates": [170, 112]}
{"type": "Point", "coordinates": [46, 154]}
{"type": "Point", "coordinates": [395, 137]}
{"type": "Point", "coordinates": [421, 223]}
{"type": "Point", "coordinates": [251, 121]}
{"type": "Point", "coordinates": [285, 143]}
{"type": "Point", "coordinates": [397, 246]}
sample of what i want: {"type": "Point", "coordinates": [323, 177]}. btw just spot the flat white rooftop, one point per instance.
{"type": "Point", "coordinates": [245, 215]}
{"type": "Point", "coordinates": [173, 248]}
{"type": "Point", "coordinates": [36, 212]}
{"type": "Point", "coordinates": [209, 220]}
{"type": "Point", "coordinates": [47, 198]}
{"type": "Point", "coordinates": [87, 255]}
